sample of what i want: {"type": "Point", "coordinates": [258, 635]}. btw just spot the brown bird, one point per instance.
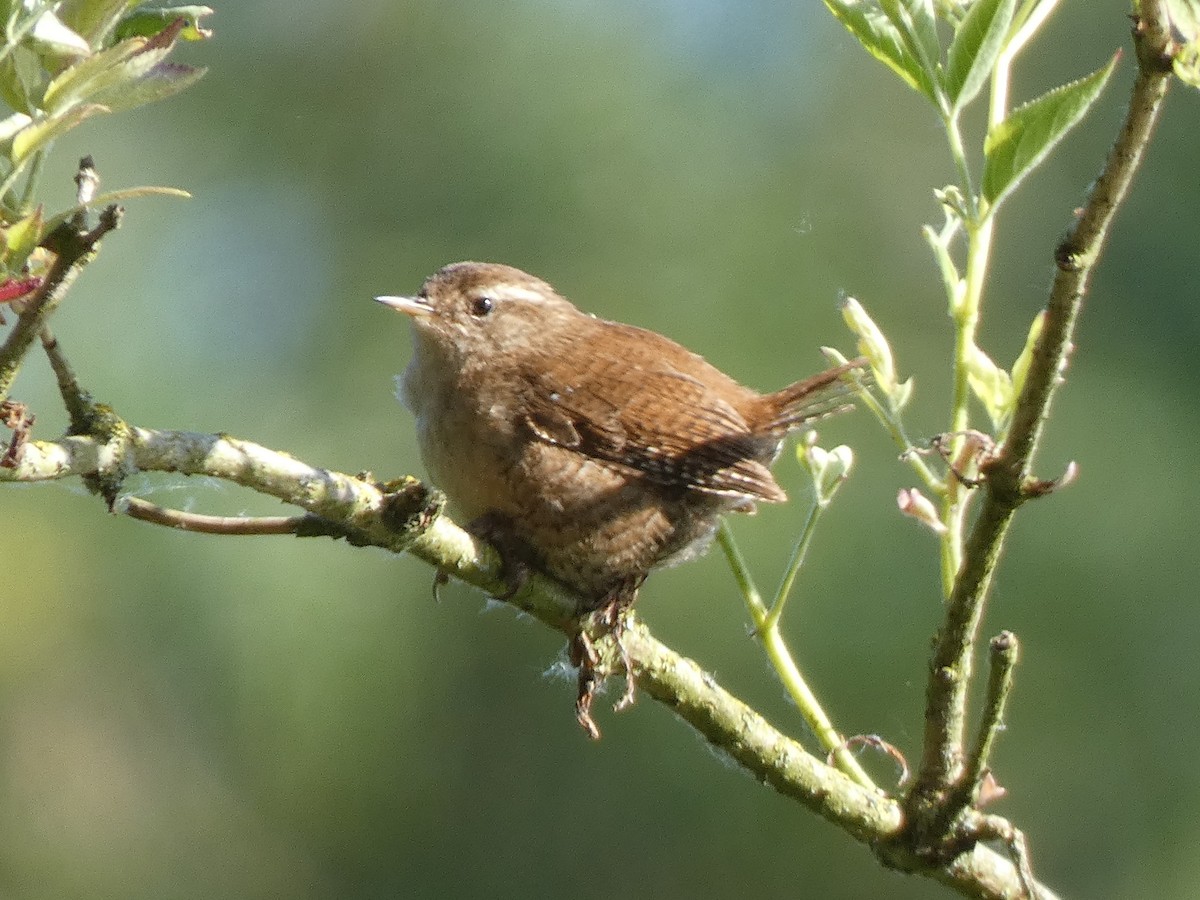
{"type": "Point", "coordinates": [586, 449]}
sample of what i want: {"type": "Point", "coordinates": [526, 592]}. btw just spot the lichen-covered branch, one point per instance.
{"type": "Point", "coordinates": [403, 516]}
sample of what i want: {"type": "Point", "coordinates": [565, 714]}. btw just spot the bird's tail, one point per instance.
{"type": "Point", "coordinates": [818, 396]}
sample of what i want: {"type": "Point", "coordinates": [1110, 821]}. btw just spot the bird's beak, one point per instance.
{"type": "Point", "coordinates": [410, 306]}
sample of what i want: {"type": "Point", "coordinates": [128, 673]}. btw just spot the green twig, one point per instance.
{"type": "Point", "coordinates": [966, 323]}
{"type": "Point", "coordinates": [910, 453]}
{"type": "Point", "coordinates": [741, 573]}
{"type": "Point", "coordinates": [795, 561]}
{"type": "Point", "coordinates": [766, 629]}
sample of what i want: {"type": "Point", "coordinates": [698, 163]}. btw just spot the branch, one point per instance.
{"type": "Point", "coordinates": [74, 249]}
{"type": "Point", "coordinates": [1004, 652]}
{"type": "Point", "coordinates": [1007, 474]}
{"type": "Point", "coordinates": [405, 516]}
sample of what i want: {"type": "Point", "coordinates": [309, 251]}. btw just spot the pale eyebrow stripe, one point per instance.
{"type": "Point", "coordinates": [515, 292]}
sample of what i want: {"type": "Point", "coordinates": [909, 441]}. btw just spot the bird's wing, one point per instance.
{"type": "Point", "coordinates": [643, 414]}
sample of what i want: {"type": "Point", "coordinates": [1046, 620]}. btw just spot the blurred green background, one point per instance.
{"type": "Point", "coordinates": [185, 716]}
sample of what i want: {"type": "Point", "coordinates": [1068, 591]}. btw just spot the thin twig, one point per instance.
{"type": "Point", "coordinates": [145, 511]}
{"type": "Point", "coordinates": [995, 828]}
{"type": "Point", "coordinates": [766, 628]}
{"type": "Point", "coordinates": [78, 403]}
{"type": "Point", "coordinates": [74, 250]}
{"type": "Point", "coordinates": [1005, 650]}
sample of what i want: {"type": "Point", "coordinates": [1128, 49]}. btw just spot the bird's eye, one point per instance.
{"type": "Point", "coordinates": [481, 306]}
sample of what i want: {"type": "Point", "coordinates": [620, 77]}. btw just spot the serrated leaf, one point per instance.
{"type": "Point", "coordinates": [1017, 145]}
{"type": "Point", "coordinates": [883, 41]}
{"type": "Point", "coordinates": [975, 48]}
{"type": "Point", "coordinates": [37, 135]}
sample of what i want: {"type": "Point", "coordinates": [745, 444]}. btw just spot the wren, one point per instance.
{"type": "Point", "coordinates": [586, 449]}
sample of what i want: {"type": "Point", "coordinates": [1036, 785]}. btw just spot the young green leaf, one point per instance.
{"type": "Point", "coordinates": [37, 135]}
{"type": "Point", "coordinates": [21, 238]}
{"type": "Point", "coordinates": [111, 197]}
{"type": "Point", "coordinates": [976, 46]}
{"type": "Point", "coordinates": [1187, 64]}
{"type": "Point", "coordinates": [1017, 145]}
{"type": "Point", "coordinates": [128, 74]}
{"type": "Point", "coordinates": [1185, 18]}
{"type": "Point", "coordinates": [991, 384]}
{"type": "Point", "coordinates": [51, 36]}
{"type": "Point", "coordinates": [93, 19]}
{"type": "Point", "coordinates": [1185, 21]}
{"type": "Point", "coordinates": [883, 40]}
{"type": "Point", "coordinates": [100, 72]}
{"type": "Point", "coordinates": [22, 80]}
{"type": "Point", "coordinates": [1020, 368]}
{"type": "Point", "coordinates": [871, 343]}
{"type": "Point", "coordinates": [158, 83]}
{"type": "Point", "coordinates": [12, 124]}
{"type": "Point", "coordinates": [915, 21]}
{"type": "Point", "coordinates": [146, 22]}
{"type": "Point", "coordinates": [917, 24]}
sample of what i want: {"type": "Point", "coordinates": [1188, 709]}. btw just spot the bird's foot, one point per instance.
{"type": "Point", "coordinates": [609, 619]}
{"type": "Point", "coordinates": [585, 658]}
{"type": "Point", "coordinates": [496, 529]}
